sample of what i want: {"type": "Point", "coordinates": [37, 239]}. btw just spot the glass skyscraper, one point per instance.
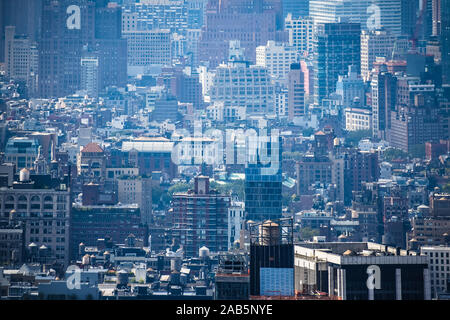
{"type": "Point", "coordinates": [263, 178]}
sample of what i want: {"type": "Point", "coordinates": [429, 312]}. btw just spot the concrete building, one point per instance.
{"type": "Point", "coordinates": [296, 92]}
{"type": "Point", "coordinates": [90, 76]}
{"type": "Point", "coordinates": [21, 59]}
{"type": "Point", "coordinates": [350, 87]}
{"type": "Point", "coordinates": [301, 33]}
{"type": "Point", "coordinates": [236, 219]}
{"type": "Point", "coordinates": [200, 218]}
{"type": "Point", "coordinates": [343, 270]}
{"type": "Point", "coordinates": [379, 43]}
{"type": "Point", "coordinates": [147, 48]}
{"type": "Point", "coordinates": [42, 205]}
{"type": "Point", "coordinates": [276, 58]}
{"type": "Point", "coordinates": [138, 190]}
{"type": "Point", "coordinates": [439, 265]}
{"type": "Point", "coordinates": [358, 119]}
{"type": "Point", "coordinates": [237, 84]}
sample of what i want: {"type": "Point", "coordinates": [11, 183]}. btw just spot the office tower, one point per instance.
{"type": "Point", "coordinates": [25, 15]}
{"type": "Point", "coordinates": [90, 75]}
{"type": "Point", "coordinates": [350, 87]}
{"type": "Point", "coordinates": [439, 268]}
{"type": "Point", "coordinates": [147, 48]}
{"type": "Point", "coordinates": [21, 59]}
{"type": "Point", "coordinates": [390, 15]}
{"type": "Point", "coordinates": [196, 13]}
{"type": "Point", "coordinates": [384, 96]}
{"type": "Point", "coordinates": [301, 33]}
{"type": "Point", "coordinates": [61, 45]}
{"type": "Point", "coordinates": [240, 85]}
{"type": "Point", "coordinates": [445, 40]}
{"type": "Point", "coordinates": [159, 14]}
{"type": "Point", "coordinates": [110, 46]}
{"type": "Point", "coordinates": [272, 258]}
{"type": "Point", "coordinates": [200, 218]}
{"type": "Point", "coordinates": [296, 92]}
{"type": "Point", "coordinates": [253, 23]}
{"type": "Point", "coordinates": [410, 10]}
{"type": "Point", "coordinates": [371, 14]}
{"type": "Point", "coordinates": [297, 8]}
{"type": "Point", "coordinates": [414, 124]}
{"type": "Point", "coordinates": [276, 58]}
{"type": "Point", "coordinates": [69, 29]}
{"type": "Point", "coordinates": [42, 204]}
{"type": "Point", "coordinates": [375, 44]}
{"type": "Point", "coordinates": [332, 11]}
{"type": "Point", "coordinates": [436, 7]}
{"type": "Point", "coordinates": [337, 46]}
{"type": "Point", "coordinates": [263, 176]}
{"type": "Point", "coordinates": [346, 277]}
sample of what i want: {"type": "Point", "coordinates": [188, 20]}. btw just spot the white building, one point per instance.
{"type": "Point", "coordinates": [282, 102]}
{"type": "Point", "coordinates": [439, 264]}
{"type": "Point", "coordinates": [374, 44]}
{"type": "Point", "coordinates": [358, 119]}
{"type": "Point", "coordinates": [89, 76]}
{"type": "Point", "coordinates": [371, 14]}
{"type": "Point", "coordinates": [236, 222]}
{"type": "Point", "coordinates": [301, 33]}
{"type": "Point", "coordinates": [277, 58]}
{"type": "Point", "coordinates": [240, 85]}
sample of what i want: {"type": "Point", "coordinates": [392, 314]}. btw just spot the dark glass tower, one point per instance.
{"type": "Point", "coordinates": [263, 180]}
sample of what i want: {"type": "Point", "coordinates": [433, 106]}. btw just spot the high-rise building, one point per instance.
{"type": "Point", "coordinates": [241, 85]}
{"type": "Point", "coordinates": [436, 7]}
{"type": "Point", "coordinates": [43, 206]}
{"type": "Point", "coordinates": [374, 44]}
{"type": "Point", "coordinates": [200, 218]}
{"type": "Point", "coordinates": [301, 33]}
{"type": "Point", "coordinates": [272, 258]}
{"type": "Point", "coordinates": [340, 270]}
{"type": "Point", "coordinates": [253, 23]}
{"type": "Point", "coordinates": [297, 8]}
{"type": "Point", "coordinates": [414, 124]}
{"type": "Point", "coordinates": [69, 28]}
{"type": "Point", "coordinates": [439, 264]}
{"type": "Point", "coordinates": [337, 46]}
{"type": "Point", "coordinates": [21, 59]}
{"type": "Point", "coordinates": [445, 40]}
{"type": "Point", "coordinates": [384, 96]}
{"type": "Point", "coordinates": [263, 178]}
{"type": "Point", "coordinates": [277, 58]}
{"type": "Point", "coordinates": [296, 92]}
{"type": "Point", "coordinates": [89, 75]}
{"type": "Point", "coordinates": [148, 47]}
{"type": "Point", "coordinates": [61, 45]}
{"type": "Point", "coordinates": [25, 15]}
